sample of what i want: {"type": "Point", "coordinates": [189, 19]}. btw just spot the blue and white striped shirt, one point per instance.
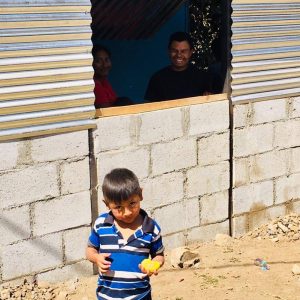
{"type": "Point", "coordinates": [125, 280]}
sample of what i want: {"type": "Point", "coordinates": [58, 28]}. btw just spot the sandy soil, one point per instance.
{"type": "Point", "coordinates": [226, 272]}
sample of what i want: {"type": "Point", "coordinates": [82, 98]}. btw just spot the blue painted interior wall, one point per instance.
{"type": "Point", "coordinates": [135, 61]}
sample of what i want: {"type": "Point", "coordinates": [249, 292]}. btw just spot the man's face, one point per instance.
{"type": "Point", "coordinates": [180, 54]}
{"type": "Point", "coordinates": [102, 64]}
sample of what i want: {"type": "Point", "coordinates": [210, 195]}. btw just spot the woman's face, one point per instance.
{"type": "Point", "coordinates": [102, 64]}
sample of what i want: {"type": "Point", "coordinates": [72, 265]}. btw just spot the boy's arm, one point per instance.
{"type": "Point", "coordinates": [160, 258]}
{"type": "Point", "coordinates": [100, 259]}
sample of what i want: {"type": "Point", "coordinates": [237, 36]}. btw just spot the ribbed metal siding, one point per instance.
{"type": "Point", "coordinates": [46, 74]}
{"type": "Point", "coordinates": [265, 49]}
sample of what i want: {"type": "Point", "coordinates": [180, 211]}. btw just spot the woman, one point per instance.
{"type": "Point", "coordinates": [105, 96]}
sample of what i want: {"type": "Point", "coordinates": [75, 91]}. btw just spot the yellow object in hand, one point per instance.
{"type": "Point", "coordinates": [150, 265]}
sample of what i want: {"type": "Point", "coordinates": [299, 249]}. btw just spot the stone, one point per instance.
{"type": "Point", "coordinates": [183, 257]}
{"type": "Point", "coordinates": [223, 239]}
{"type": "Point", "coordinates": [296, 269]}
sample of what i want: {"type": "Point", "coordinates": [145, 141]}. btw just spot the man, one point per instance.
{"type": "Point", "coordinates": [180, 79]}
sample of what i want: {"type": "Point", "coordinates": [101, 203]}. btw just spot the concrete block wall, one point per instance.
{"type": "Point", "coordinates": [181, 156]}
{"type": "Point", "coordinates": [45, 207]}
{"type": "Point", "coordinates": [266, 162]}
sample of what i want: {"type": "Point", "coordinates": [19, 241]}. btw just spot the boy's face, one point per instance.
{"type": "Point", "coordinates": [128, 210]}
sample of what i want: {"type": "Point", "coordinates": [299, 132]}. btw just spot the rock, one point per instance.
{"type": "Point", "coordinates": [296, 269]}
{"type": "Point", "coordinates": [192, 263]}
{"type": "Point", "coordinates": [223, 239]}
{"type": "Point", "coordinates": [284, 228]}
{"type": "Point", "coordinates": [183, 257]}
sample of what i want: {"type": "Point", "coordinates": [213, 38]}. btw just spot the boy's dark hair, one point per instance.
{"type": "Point", "coordinates": [180, 36]}
{"type": "Point", "coordinates": [120, 184]}
{"type": "Point", "coordinates": [97, 48]}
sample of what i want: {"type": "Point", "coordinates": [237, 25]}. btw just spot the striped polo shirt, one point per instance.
{"type": "Point", "coordinates": [125, 280]}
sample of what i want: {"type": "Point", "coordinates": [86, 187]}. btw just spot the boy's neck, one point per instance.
{"type": "Point", "coordinates": [133, 226]}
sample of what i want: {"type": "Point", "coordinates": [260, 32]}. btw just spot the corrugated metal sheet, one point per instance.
{"type": "Point", "coordinates": [265, 49]}
{"type": "Point", "coordinates": [130, 19]}
{"type": "Point", "coordinates": [46, 74]}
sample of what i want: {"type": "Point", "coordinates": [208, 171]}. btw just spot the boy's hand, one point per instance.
{"type": "Point", "coordinates": [149, 267]}
{"type": "Point", "coordinates": [103, 262]}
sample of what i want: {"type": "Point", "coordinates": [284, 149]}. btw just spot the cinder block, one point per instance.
{"type": "Point", "coordinates": [209, 117]}
{"type": "Point", "coordinates": [173, 156]}
{"type": "Point", "coordinates": [253, 140]}
{"type": "Point", "coordinates": [9, 155]}
{"type": "Point", "coordinates": [268, 165]}
{"type": "Point", "coordinates": [240, 225]}
{"type": "Point", "coordinates": [295, 160]}
{"type": "Point", "coordinates": [174, 240]}
{"type": "Point", "coordinates": [288, 188]}
{"type": "Point", "coordinates": [28, 185]}
{"type": "Point", "coordinates": [252, 197]}
{"type": "Point", "coordinates": [161, 125]}
{"type": "Point", "coordinates": [75, 242]}
{"type": "Point", "coordinates": [75, 176]}
{"type": "Point", "coordinates": [207, 233]}
{"type": "Point", "coordinates": [62, 213]}
{"type": "Point", "coordinates": [207, 180]}
{"type": "Point", "coordinates": [269, 111]}
{"type": "Point", "coordinates": [27, 257]}
{"type": "Point", "coordinates": [287, 134]}
{"type": "Point", "coordinates": [113, 132]}
{"type": "Point", "coordinates": [296, 207]}
{"type": "Point", "coordinates": [179, 216]}
{"type": "Point", "coordinates": [14, 225]}
{"type": "Point", "coordinates": [135, 159]}
{"type": "Point", "coordinates": [240, 172]}
{"type": "Point", "coordinates": [60, 146]}
{"type": "Point", "coordinates": [296, 108]}
{"type": "Point", "coordinates": [240, 115]}
{"type": "Point", "coordinates": [69, 272]}
{"type": "Point", "coordinates": [162, 190]}
{"type": "Point", "coordinates": [214, 208]}
{"type": "Point", "coordinates": [213, 149]}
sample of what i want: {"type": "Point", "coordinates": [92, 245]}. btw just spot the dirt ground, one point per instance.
{"type": "Point", "coordinates": [226, 272]}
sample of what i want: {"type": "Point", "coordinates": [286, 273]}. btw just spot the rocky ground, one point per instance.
{"type": "Point", "coordinates": [225, 269]}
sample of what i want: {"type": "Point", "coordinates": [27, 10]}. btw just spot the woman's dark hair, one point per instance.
{"type": "Point", "coordinates": [97, 48]}
{"type": "Point", "coordinates": [120, 184]}
{"type": "Point", "coordinates": [180, 36]}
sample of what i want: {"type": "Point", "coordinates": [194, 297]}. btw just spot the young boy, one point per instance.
{"type": "Point", "coordinates": [122, 238]}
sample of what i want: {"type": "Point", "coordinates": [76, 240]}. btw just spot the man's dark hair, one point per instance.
{"type": "Point", "coordinates": [120, 184]}
{"type": "Point", "coordinates": [97, 48]}
{"type": "Point", "coordinates": [180, 36]}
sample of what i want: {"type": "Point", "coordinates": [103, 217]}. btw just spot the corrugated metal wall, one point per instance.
{"type": "Point", "coordinates": [46, 74]}
{"type": "Point", "coordinates": [265, 49]}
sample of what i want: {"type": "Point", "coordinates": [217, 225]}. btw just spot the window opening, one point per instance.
{"type": "Point", "coordinates": [138, 44]}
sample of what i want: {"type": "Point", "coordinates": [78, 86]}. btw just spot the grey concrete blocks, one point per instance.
{"type": "Point", "coordinates": [160, 126]}
{"type": "Point", "coordinates": [62, 213]}
{"type": "Point", "coordinates": [31, 256]}
{"type": "Point", "coordinates": [173, 156]}
{"type": "Point", "coordinates": [253, 140]}
{"type": "Point", "coordinates": [30, 184]}
{"type": "Point", "coordinates": [60, 146]}
{"type": "Point", "coordinates": [209, 117]}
